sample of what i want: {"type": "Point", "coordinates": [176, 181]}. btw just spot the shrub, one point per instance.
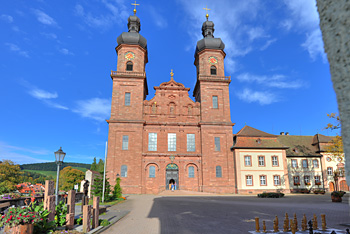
{"type": "Point", "coordinates": [104, 222]}
{"type": "Point", "coordinates": [271, 195]}
{"type": "Point", "coordinates": [338, 193]}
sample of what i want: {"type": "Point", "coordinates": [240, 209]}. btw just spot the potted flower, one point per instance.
{"type": "Point", "coordinates": [19, 220]}
{"type": "Point", "coordinates": [337, 196]}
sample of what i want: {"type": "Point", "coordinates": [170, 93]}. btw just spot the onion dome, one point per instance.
{"type": "Point", "coordinates": [132, 37]}
{"type": "Point", "coordinates": [209, 42]}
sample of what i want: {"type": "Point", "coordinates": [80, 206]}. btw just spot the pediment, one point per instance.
{"type": "Point", "coordinates": [171, 83]}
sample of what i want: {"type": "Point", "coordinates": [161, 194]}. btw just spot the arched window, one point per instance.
{"type": "Point", "coordinates": [124, 171]}
{"type": "Point", "coordinates": [213, 70]}
{"type": "Point", "coordinates": [152, 171]}
{"type": "Point", "coordinates": [129, 66]}
{"type": "Point", "coordinates": [218, 172]}
{"type": "Point", "coordinates": [191, 172]}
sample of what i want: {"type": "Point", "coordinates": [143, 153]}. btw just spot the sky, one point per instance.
{"type": "Point", "coordinates": [56, 58]}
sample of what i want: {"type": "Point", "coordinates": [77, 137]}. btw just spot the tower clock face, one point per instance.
{"type": "Point", "coordinates": [129, 55]}
{"type": "Point", "coordinates": [213, 60]}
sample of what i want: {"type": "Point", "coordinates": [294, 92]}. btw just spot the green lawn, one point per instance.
{"type": "Point", "coordinates": [47, 173]}
{"type": "Point", "coordinates": [54, 173]}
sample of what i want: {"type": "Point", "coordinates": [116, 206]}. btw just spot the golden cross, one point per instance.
{"type": "Point", "coordinates": [135, 4]}
{"type": "Point", "coordinates": [206, 9]}
{"type": "Point", "coordinates": [171, 73]}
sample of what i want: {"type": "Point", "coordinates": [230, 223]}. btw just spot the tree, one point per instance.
{"type": "Point", "coordinates": [336, 145]}
{"type": "Point", "coordinates": [94, 165]}
{"type": "Point", "coordinates": [97, 188]}
{"type": "Point", "coordinates": [9, 176]}
{"type": "Point", "coordinates": [117, 192]}
{"type": "Point", "coordinates": [100, 166]}
{"type": "Point", "coordinates": [69, 177]}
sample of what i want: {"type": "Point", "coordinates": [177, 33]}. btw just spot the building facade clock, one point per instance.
{"type": "Point", "coordinates": [129, 55]}
{"type": "Point", "coordinates": [213, 60]}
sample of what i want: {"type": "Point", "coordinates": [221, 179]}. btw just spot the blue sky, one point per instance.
{"type": "Point", "coordinates": [56, 57]}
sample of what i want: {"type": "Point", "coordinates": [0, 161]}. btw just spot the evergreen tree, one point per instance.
{"type": "Point", "coordinates": [117, 192]}
{"type": "Point", "coordinates": [97, 188]}
{"type": "Point", "coordinates": [94, 165]}
{"type": "Point", "coordinates": [100, 166]}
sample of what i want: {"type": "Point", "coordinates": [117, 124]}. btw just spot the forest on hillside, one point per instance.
{"type": "Point", "coordinates": [52, 166]}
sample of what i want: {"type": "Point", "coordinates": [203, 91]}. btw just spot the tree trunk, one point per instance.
{"type": "Point", "coordinates": [335, 24]}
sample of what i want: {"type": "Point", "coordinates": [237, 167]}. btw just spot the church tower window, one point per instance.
{"type": "Point", "coordinates": [124, 171]}
{"type": "Point", "coordinates": [215, 102]}
{"type": "Point", "coordinates": [152, 171]}
{"type": "Point", "coordinates": [191, 172]}
{"type": "Point", "coordinates": [129, 66]}
{"type": "Point", "coordinates": [218, 172]}
{"type": "Point", "coordinates": [213, 70]}
{"type": "Point", "coordinates": [127, 99]}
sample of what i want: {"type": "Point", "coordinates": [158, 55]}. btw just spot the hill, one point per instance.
{"type": "Point", "coordinates": [52, 166]}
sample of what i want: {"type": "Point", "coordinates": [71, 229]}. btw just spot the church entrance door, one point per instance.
{"type": "Point", "coordinates": [172, 176]}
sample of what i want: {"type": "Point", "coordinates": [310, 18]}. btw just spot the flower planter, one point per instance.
{"type": "Point", "coordinates": [336, 199]}
{"type": "Point", "coordinates": [20, 229]}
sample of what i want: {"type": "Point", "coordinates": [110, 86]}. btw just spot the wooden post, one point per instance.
{"type": "Point", "coordinates": [264, 226]}
{"type": "Point", "coordinates": [314, 222]}
{"type": "Point", "coordinates": [324, 225]}
{"type": "Point", "coordinates": [296, 222]}
{"type": "Point", "coordinates": [95, 212]}
{"type": "Point", "coordinates": [86, 218]}
{"type": "Point", "coordinates": [257, 227]}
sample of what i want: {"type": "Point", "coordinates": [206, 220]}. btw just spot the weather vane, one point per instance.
{"type": "Point", "coordinates": [206, 9]}
{"type": "Point", "coordinates": [135, 4]}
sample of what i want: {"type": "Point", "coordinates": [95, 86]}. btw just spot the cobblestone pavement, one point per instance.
{"type": "Point", "coordinates": [178, 213]}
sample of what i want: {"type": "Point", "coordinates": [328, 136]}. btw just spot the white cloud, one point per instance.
{"type": "Point", "coordinates": [21, 155]}
{"type": "Point", "coordinates": [49, 35]}
{"type": "Point", "coordinates": [232, 24]}
{"type": "Point", "coordinates": [267, 44]}
{"type": "Point", "coordinates": [43, 18]}
{"type": "Point", "coordinates": [314, 45]}
{"type": "Point", "coordinates": [305, 18]}
{"type": "Point", "coordinates": [256, 33]}
{"type": "Point", "coordinates": [65, 51]}
{"type": "Point", "coordinates": [113, 15]}
{"type": "Point", "coordinates": [95, 108]}
{"type": "Point", "coordinates": [42, 94]}
{"type": "Point", "coordinates": [274, 81]}
{"type": "Point", "coordinates": [16, 49]}
{"type": "Point", "coordinates": [158, 19]}
{"type": "Point", "coordinates": [263, 98]}
{"type": "Point", "coordinates": [6, 18]}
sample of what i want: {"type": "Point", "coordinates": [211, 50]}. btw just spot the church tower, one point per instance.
{"type": "Point", "coordinates": [212, 91]}
{"type": "Point", "coordinates": [126, 121]}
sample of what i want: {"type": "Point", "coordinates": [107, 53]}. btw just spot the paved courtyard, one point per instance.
{"type": "Point", "coordinates": [188, 213]}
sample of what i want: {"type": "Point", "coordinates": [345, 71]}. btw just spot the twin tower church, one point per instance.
{"type": "Point", "coordinates": [172, 139]}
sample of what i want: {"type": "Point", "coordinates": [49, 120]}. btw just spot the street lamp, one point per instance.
{"type": "Point", "coordinates": [59, 155]}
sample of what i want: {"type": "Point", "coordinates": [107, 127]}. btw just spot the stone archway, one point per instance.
{"type": "Point", "coordinates": [172, 175]}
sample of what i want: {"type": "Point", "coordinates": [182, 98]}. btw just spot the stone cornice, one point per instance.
{"type": "Point", "coordinates": [169, 154]}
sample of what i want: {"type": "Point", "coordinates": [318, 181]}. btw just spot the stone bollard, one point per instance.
{"type": "Point", "coordinates": [257, 227]}
{"type": "Point", "coordinates": [95, 211]}
{"type": "Point", "coordinates": [86, 218]}
{"type": "Point", "coordinates": [324, 225]}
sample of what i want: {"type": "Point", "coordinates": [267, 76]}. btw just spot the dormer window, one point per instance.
{"type": "Point", "coordinates": [129, 66]}
{"type": "Point", "coordinates": [213, 70]}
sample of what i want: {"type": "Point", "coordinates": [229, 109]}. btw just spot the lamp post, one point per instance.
{"type": "Point", "coordinates": [59, 155]}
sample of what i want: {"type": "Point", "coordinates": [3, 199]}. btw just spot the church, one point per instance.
{"type": "Point", "coordinates": [171, 139]}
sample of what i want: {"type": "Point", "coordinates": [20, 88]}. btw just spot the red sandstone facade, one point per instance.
{"type": "Point", "coordinates": [193, 139]}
